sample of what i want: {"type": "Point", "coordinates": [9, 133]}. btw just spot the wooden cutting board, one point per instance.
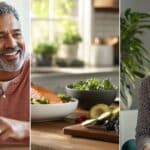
{"type": "Point", "coordinates": [92, 132]}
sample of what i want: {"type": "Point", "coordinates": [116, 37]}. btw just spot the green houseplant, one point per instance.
{"type": "Point", "coordinates": [71, 37]}
{"type": "Point", "coordinates": [69, 47]}
{"type": "Point", "coordinates": [135, 58]}
{"type": "Point", "coordinates": [44, 53]}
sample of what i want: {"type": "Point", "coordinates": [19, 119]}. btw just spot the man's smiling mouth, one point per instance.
{"type": "Point", "coordinates": [10, 55]}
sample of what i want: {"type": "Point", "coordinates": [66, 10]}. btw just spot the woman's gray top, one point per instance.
{"type": "Point", "coordinates": [143, 122]}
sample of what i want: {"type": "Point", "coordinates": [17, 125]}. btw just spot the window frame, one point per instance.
{"type": "Point", "coordinates": [83, 25]}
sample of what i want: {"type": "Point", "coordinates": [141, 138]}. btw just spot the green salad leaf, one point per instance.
{"type": "Point", "coordinates": [65, 98]}
{"type": "Point", "coordinates": [39, 101]}
{"type": "Point", "coordinates": [93, 84]}
{"type": "Point", "coordinates": [107, 85]}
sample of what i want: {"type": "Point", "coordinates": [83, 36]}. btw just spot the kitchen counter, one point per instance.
{"type": "Point", "coordinates": [49, 136]}
{"type": "Point", "coordinates": [84, 70]}
{"type": "Point", "coordinates": [56, 79]}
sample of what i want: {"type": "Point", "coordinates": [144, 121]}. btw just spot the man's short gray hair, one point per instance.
{"type": "Point", "coordinates": [8, 9]}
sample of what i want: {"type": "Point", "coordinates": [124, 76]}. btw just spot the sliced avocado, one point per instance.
{"type": "Point", "coordinates": [97, 110]}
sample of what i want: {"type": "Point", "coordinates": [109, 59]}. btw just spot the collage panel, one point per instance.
{"type": "Point", "coordinates": [134, 75]}
{"type": "Point", "coordinates": [75, 74]}
{"type": "Point", "coordinates": [14, 75]}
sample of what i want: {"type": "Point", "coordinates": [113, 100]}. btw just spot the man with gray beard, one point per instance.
{"type": "Point", "coordinates": [14, 79]}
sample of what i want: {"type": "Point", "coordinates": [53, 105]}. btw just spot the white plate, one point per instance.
{"type": "Point", "coordinates": [46, 112]}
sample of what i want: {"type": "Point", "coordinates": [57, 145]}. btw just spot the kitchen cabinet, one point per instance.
{"type": "Point", "coordinates": [106, 5]}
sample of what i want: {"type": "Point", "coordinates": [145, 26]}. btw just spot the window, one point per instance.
{"type": "Point", "coordinates": [51, 17]}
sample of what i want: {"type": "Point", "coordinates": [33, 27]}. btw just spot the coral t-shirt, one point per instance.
{"type": "Point", "coordinates": [15, 103]}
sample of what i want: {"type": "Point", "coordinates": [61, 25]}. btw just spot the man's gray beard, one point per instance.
{"type": "Point", "coordinates": [13, 67]}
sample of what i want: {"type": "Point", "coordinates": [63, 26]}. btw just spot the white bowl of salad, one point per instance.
{"type": "Point", "coordinates": [46, 106]}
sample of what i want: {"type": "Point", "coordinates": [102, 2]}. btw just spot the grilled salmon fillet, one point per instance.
{"type": "Point", "coordinates": [38, 92]}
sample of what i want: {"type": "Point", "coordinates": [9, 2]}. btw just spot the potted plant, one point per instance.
{"type": "Point", "coordinates": [135, 58]}
{"type": "Point", "coordinates": [69, 46]}
{"type": "Point", "coordinates": [44, 53]}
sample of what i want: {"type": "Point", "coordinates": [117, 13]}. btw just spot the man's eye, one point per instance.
{"type": "Point", "coordinates": [17, 35]}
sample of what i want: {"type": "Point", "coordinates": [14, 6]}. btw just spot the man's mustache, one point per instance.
{"type": "Point", "coordinates": [9, 50]}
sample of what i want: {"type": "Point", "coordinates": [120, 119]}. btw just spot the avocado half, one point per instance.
{"type": "Point", "coordinates": [97, 110]}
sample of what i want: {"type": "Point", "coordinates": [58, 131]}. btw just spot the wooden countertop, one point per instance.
{"type": "Point", "coordinates": [49, 136]}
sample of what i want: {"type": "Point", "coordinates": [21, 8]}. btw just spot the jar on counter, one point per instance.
{"type": "Point", "coordinates": [101, 53]}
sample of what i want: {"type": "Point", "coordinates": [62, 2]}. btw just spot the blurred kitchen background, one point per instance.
{"type": "Point", "coordinates": [75, 39]}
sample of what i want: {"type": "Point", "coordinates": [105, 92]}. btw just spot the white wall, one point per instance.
{"type": "Point", "coordinates": [105, 24]}
{"type": "Point", "coordinates": [95, 24]}
{"type": "Point", "coordinates": [128, 120]}
{"type": "Point", "coordinates": [85, 17]}
{"type": "Point", "coordinates": [23, 9]}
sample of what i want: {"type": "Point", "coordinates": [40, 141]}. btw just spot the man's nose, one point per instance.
{"type": "Point", "coordinates": [10, 42]}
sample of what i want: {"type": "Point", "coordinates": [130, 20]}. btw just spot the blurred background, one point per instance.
{"type": "Point", "coordinates": [74, 40]}
{"type": "Point", "coordinates": [135, 64]}
{"type": "Point", "coordinates": [75, 33]}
